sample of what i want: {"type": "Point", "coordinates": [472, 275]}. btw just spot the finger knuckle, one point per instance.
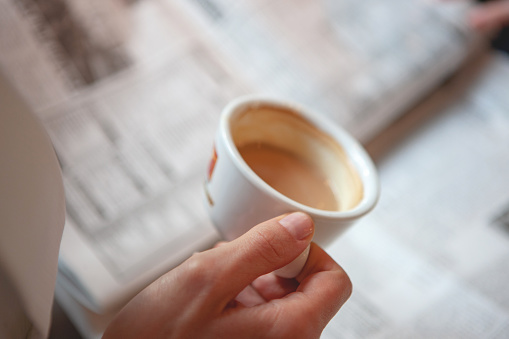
{"type": "Point", "coordinates": [269, 247]}
{"type": "Point", "coordinates": [344, 285]}
{"type": "Point", "coordinates": [294, 326]}
{"type": "Point", "coordinates": [197, 270]}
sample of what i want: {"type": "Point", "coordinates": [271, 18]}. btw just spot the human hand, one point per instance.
{"type": "Point", "coordinates": [489, 16]}
{"type": "Point", "coordinates": [230, 292]}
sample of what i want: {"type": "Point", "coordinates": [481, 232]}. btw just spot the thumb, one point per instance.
{"type": "Point", "coordinates": [263, 249]}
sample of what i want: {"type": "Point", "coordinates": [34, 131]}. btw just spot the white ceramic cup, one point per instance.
{"type": "Point", "coordinates": [238, 199]}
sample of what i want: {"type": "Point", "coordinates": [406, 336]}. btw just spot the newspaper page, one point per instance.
{"type": "Point", "coordinates": [359, 62]}
{"type": "Point", "coordinates": [131, 91]}
{"type": "Point", "coordinates": [432, 259]}
{"type": "Point", "coordinates": [131, 107]}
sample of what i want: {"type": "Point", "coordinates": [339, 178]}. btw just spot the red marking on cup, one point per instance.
{"type": "Point", "coordinates": [212, 164]}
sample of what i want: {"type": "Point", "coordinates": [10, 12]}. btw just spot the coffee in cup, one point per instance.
{"type": "Point", "coordinates": [295, 158]}
{"type": "Point", "coordinates": [273, 157]}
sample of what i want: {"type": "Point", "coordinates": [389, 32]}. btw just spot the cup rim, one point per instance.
{"type": "Point", "coordinates": [358, 156]}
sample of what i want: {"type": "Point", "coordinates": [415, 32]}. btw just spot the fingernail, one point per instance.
{"type": "Point", "coordinates": [298, 224]}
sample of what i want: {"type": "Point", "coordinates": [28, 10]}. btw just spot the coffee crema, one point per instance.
{"type": "Point", "coordinates": [296, 158]}
{"type": "Point", "coordinates": [290, 175]}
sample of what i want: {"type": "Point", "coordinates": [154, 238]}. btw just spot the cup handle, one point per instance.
{"type": "Point", "coordinates": [295, 267]}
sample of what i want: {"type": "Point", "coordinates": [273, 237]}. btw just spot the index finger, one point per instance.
{"type": "Point", "coordinates": [324, 284]}
{"type": "Point", "coordinates": [324, 288]}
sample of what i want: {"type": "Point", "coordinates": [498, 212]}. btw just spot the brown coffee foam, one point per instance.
{"type": "Point", "coordinates": [288, 174]}
{"type": "Point", "coordinates": [285, 129]}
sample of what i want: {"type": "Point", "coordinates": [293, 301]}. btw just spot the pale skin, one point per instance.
{"type": "Point", "coordinates": [489, 16]}
{"type": "Point", "coordinates": [230, 292]}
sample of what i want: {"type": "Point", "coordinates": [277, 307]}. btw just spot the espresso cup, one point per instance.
{"type": "Point", "coordinates": [273, 157]}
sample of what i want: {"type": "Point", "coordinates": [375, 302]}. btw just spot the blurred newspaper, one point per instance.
{"type": "Point", "coordinates": [432, 260]}
{"type": "Point", "coordinates": [131, 91]}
